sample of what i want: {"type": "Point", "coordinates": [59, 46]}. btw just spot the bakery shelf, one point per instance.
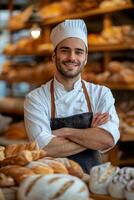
{"type": "Point", "coordinates": [102, 197]}
{"type": "Point", "coordinates": [126, 137]}
{"type": "Point", "coordinates": [84, 14]}
{"type": "Point", "coordinates": [11, 105]}
{"type": "Point", "coordinates": [111, 47]}
{"type": "Point", "coordinates": [119, 86]}
{"type": "Point", "coordinates": [88, 13]}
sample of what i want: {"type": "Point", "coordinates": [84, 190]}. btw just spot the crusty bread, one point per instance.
{"type": "Point", "coordinates": [6, 181]}
{"type": "Point", "coordinates": [2, 153]}
{"type": "Point", "coordinates": [58, 167]}
{"type": "Point", "coordinates": [73, 167]}
{"type": "Point", "coordinates": [53, 186]}
{"type": "Point", "coordinates": [16, 172]}
{"type": "Point", "coordinates": [23, 158]}
{"type": "Point", "coordinates": [40, 168]}
{"type": "Point", "coordinates": [15, 149]}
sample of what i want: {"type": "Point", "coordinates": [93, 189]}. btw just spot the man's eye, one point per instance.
{"type": "Point", "coordinates": [79, 52]}
{"type": "Point", "coordinates": [64, 51]}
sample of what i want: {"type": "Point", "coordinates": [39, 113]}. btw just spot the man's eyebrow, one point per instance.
{"type": "Point", "coordinates": [78, 49]}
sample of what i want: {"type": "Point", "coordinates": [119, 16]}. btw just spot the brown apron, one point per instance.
{"type": "Point", "coordinates": [89, 157]}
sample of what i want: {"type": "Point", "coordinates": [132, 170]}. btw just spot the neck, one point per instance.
{"type": "Point", "coordinates": [67, 82]}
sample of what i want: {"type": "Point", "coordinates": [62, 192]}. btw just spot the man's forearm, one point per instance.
{"type": "Point", "coordinates": [93, 138]}
{"type": "Point", "coordinates": [61, 147]}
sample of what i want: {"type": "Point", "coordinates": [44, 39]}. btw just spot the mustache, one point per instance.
{"type": "Point", "coordinates": [71, 62]}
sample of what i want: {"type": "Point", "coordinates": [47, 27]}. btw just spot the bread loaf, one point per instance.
{"type": "Point", "coordinates": [58, 167]}
{"type": "Point", "coordinates": [16, 172]}
{"type": "Point", "coordinates": [23, 157]}
{"type": "Point", "coordinates": [40, 168]}
{"type": "Point", "coordinates": [53, 186]}
{"type": "Point", "coordinates": [15, 149]}
{"type": "Point", "coordinates": [2, 153]}
{"type": "Point", "coordinates": [6, 181]}
{"type": "Point", "coordinates": [73, 167]}
{"type": "Point", "coordinates": [129, 190]}
{"type": "Point", "coordinates": [100, 176]}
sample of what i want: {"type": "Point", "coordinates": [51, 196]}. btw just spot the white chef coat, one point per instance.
{"type": "Point", "coordinates": [37, 108]}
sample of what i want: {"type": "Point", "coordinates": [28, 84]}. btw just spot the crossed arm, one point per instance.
{"type": "Point", "coordinates": [69, 141]}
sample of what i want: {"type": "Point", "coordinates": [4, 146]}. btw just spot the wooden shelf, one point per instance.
{"type": "Point", "coordinates": [126, 137]}
{"type": "Point", "coordinates": [88, 13]}
{"type": "Point", "coordinates": [120, 86]}
{"type": "Point", "coordinates": [84, 14]}
{"type": "Point", "coordinates": [102, 197]}
{"type": "Point", "coordinates": [111, 47]}
{"type": "Point", "coordinates": [12, 105]}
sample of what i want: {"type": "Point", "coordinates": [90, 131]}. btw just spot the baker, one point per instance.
{"type": "Point", "coordinates": [68, 116]}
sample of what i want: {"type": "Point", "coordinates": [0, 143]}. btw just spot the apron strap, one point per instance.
{"type": "Point", "coordinates": [86, 96]}
{"type": "Point", "coordinates": [53, 101]}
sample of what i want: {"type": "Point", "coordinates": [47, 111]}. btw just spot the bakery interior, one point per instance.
{"type": "Point", "coordinates": [25, 64]}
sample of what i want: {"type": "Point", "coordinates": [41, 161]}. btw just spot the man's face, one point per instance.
{"type": "Point", "coordinates": [70, 57]}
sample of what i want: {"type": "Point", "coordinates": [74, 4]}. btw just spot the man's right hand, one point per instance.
{"type": "Point", "coordinates": [99, 119]}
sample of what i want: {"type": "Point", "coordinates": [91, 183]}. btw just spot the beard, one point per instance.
{"type": "Point", "coordinates": [69, 72]}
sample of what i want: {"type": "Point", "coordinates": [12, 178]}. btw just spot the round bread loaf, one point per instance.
{"type": "Point", "coordinates": [53, 187]}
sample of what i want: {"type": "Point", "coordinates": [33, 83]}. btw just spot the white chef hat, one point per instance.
{"type": "Point", "coordinates": [69, 28]}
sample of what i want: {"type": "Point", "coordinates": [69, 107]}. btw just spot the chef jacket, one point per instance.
{"type": "Point", "coordinates": [37, 108]}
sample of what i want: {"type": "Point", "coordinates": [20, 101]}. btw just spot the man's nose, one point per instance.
{"type": "Point", "coordinates": [72, 55]}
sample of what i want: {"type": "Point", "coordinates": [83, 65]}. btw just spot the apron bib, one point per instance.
{"type": "Point", "coordinates": [88, 158]}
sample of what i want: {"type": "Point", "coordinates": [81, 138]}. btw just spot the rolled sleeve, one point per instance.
{"type": "Point", "coordinates": [112, 126]}
{"type": "Point", "coordinates": [37, 120]}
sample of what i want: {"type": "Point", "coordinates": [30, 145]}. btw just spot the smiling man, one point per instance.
{"type": "Point", "coordinates": [67, 116]}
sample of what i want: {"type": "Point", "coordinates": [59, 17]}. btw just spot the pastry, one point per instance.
{"type": "Point", "coordinates": [100, 176]}
{"type": "Point", "coordinates": [53, 186]}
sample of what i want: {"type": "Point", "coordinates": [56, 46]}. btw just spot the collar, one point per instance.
{"type": "Point", "coordinates": [77, 84]}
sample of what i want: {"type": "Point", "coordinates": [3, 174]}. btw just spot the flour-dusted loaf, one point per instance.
{"type": "Point", "coordinates": [119, 182]}
{"type": "Point", "coordinates": [100, 176]}
{"type": "Point", "coordinates": [6, 181]}
{"type": "Point", "coordinates": [53, 187]}
{"type": "Point", "coordinates": [58, 167]}
{"type": "Point", "coordinates": [18, 173]}
{"type": "Point", "coordinates": [73, 167]}
{"type": "Point", "coordinates": [40, 168]}
{"type": "Point", "coordinates": [129, 190]}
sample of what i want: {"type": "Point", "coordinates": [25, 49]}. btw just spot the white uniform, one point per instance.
{"type": "Point", "coordinates": [37, 108]}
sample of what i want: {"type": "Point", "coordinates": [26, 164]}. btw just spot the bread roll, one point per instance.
{"type": "Point", "coordinates": [129, 191]}
{"type": "Point", "coordinates": [53, 186]}
{"type": "Point", "coordinates": [40, 168]}
{"type": "Point", "coordinates": [100, 176]}
{"type": "Point", "coordinates": [73, 167]}
{"type": "Point", "coordinates": [2, 153]}
{"type": "Point", "coordinates": [58, 167]}
{"type": "Point", "coordinates": [6, 181]}
{"type": "Point", "coordinates": [119, 182]}
{"type": "Point", "coordinates": [15, 149]}
{"type": "Point", "coordinates": [16, 172]}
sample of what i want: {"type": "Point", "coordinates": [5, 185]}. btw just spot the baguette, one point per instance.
{"type": "Point", "coordinates": [15, 149]}
{"type": "Point", "coordinates": [23, 158]}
